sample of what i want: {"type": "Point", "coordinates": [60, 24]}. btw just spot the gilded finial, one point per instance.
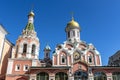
{"type": "Point", "coordinates": [31, 12]}
{"type": "Point", "coordinates": [32, 6]}
{"type": "Point", "coordinates": [72, 14]}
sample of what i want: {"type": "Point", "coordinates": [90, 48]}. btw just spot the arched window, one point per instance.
{"type": "Point", "coordinates": [24, 48]}
{"type": "Point", "coordinates": [61, 76]}
{"type": "Point", "coordinates": [77, 33]}
{"type": "Point", "coordinates": [63, 59]}
{"type": "Point", "coordinates": [74, 33]}
{"type": "Point", "coordinates": [100, 76]}
{"type": "Point", "coordinates": [43, 76]}
{"type": "Point", "coordinates": [68, 34]}
{"type": "Point", "coordinates": [116, 75]}
{"type": "Point", "coordinates": [33, 49]}
{"type": "Point", "coordinates": [90, 59]}
{"type": "Point", "coordinates": [80, 75]}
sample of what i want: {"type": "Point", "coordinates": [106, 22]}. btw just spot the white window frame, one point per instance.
{"type": "Point", "coordinates": [16, 67]}
{"type": "Point", "coordinates": [62, 56]}
{"type": "Point", "coordinates": [24, 67]}
{"type": "Point", "coordinates": [90, 56]}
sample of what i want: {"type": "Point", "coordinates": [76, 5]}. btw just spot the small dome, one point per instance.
{"type": "Point", "coordinates": [31, 13]}
{"type": "Point", "coordinates": [72, 25]}
{"type": "Point", "coordinates": [47, 47]}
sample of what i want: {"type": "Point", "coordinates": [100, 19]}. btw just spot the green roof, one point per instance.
{"type": "Point", "coordinates": [29, 26]}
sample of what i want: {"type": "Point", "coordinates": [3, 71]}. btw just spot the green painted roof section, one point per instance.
{"type": "Point", "coordinates": [29, 26]}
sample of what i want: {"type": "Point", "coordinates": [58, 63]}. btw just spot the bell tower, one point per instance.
{"type": "Point", "coordinates": [27, 45]}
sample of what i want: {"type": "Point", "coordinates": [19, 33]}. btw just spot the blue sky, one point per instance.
{"type": "Point", "coordinates": [99, 21]}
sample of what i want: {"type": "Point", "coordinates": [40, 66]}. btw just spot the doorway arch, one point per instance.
{"type": "Point", "coordinates": [42, 76]}
{"type": "Point", "coordinates": [61, 76]}
{"type": "Point", "coordinates": [80, 75]}
{"type": "Point", "coordinates": [100, 76]}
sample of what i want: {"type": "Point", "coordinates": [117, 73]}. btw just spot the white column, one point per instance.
{"type": "Point", "coordinates": [10, 66]}
{"type": "Point", "coordinates": [2, 38]}
{"type": "Point", "coordinates": [58, 62]}
{"type": "Point", "coordinates": [33, 77]}
{"type": "Point", "coordinates": [53, 61]}
{"type": "Point", "coordinates": [34, 62]}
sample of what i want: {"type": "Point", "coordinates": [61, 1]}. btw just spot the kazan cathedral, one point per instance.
{"type": "Point", "coordinates": [72, 60]}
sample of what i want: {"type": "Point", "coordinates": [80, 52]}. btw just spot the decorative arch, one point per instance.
{"type": "Point", "coordinates": [82, 46]}
{"type": "Point", "coordinates": [91, 57]}
{"type": "Point", "coordinates": [22, 78]}
{"type": "Point", "coordinates": [33, 49]}
{"type": "Point", "coordinates": [80, 75]}
{"type": "Point", "coordinates": [25, 48]}
{"type": "Point", "coordinates": [42, 76]}
{"type": "Point", "coordinates": [61, 76]}
{"type": "Point", "coordinates": [100, 76]}
{"type": "Point", "coordinates": [116, 75]}
{"type": "Point", "coordinates": [69, 46]}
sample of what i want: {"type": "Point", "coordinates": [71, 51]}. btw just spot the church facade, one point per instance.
{"type": "Point", "coordinates": [72, 60]}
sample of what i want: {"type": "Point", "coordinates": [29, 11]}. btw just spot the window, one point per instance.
{"type": "Point", "coordinates": [26, 67]}
{"type": "Point", "coordinates": [63, 60]}
{"type": "Point", "coordinates": [68, 34]}
{"type": "Point", "coordinates": [33, 49]}
{"type": "Point", "coordinates": [73, 33]}
{"type": "Point", "coordinates": [47, 55]}
{"type": "Point", "coordinates": [17, 49]}
{"type": "Point", "coordinates": [24, 48]}
{"type": "Point", "coordinates": [90, 59]}
{"type": "Point", "coordinates": [78, 34]}
{"type": "Point", "coordinates": [17, 68]}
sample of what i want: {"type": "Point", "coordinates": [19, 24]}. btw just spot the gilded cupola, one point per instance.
{"type": "Point", "coordinates": [72, 25]}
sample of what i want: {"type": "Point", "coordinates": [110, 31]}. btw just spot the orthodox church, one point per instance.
{"type": "Point", "coordinates": [72, 60]}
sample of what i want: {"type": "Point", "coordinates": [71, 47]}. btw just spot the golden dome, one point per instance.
{"type": "Point", "coordinates": [31, 14]}
{"type": "Point", "coordinates": [72, 25]}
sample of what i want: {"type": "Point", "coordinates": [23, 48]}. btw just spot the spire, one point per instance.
{"type": "Point", "coordinates": [47, 47]}
{"type": "Point", "coordinates": [30, 25]}
{"type": "Point", "coordinates": [29, 28]}
{"type": "Point", "coordinates": [72, 16]}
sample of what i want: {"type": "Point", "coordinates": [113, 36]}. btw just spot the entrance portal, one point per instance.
{"type": "Point", "coordinates": [42, 76]}
{"type": "Point", "coordinates": [61, 76]}
{"type": "Point", "coordinates": [80, 75]}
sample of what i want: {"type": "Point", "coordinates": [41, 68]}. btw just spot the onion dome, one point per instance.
{"type": "Point", "coordinates": [31, 14]}
{"type": "Point", "coordinates": [72, 25]}
{"type": "Point", "coordinates": [47, 47]}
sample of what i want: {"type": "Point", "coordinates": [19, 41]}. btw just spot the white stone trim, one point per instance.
{"type": "Point", "coordinates": [100, 60]}
{"type": "Point", "coordinates": [1, 47]}
{"type": "Point", "coordinates": [10, 66]}
{"type": "Point", "coordinates": [19, 55]}
{"type": "Point", "coordinates": [34, 62]}
{"type": "Point", "coordinates": [16, 66]}
{"type": "Point", "coordinates": [58, 59]}
{"type": "Point", "coordinates": [53, 60]}
{"type": "Point", "coordinates": [28, 55]}
{"type": "Point", "coordinates": [24, 67]}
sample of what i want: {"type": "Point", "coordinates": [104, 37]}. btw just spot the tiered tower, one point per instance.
{"type": "Point", "coordinates": [27, 45]}
{"type": "Point", "coordinates": [25, 53]}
